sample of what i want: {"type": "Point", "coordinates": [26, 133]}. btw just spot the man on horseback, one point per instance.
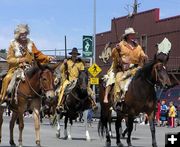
{"type": "Point", "coordinates": [128, 57]}
{"type": "Point", "coordinates": [109, 78]}
{"type": "Point", "coordinates": [69, 74]}
{"type": "Point", "coordinates": [22, 51]}
{"type": "Point", "coordinates": [133, 58]}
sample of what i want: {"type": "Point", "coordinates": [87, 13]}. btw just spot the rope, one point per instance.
{"type": "Point", "coordinates": [32, 87]}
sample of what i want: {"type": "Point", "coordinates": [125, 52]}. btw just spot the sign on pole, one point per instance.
{"type": "Point", "coordinates": [87, 46]}
{"type": "Point", "coordinates": [94, 81]}
{"type": "Point", "coordinates": [94, 70]}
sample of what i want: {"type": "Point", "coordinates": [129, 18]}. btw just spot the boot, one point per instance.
{"type": "Point", "coordinates": [93, 103]}
{"type": "Point", "coordinates": [119, 105]}
{"type": "Point", "coordinates": [60, 106]}
{"type": "Point", "coordinates": [107, 90]}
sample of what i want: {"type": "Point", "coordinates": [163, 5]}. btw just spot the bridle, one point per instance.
{"type": "Point", "coordinates": [44, 89]}
{"type": "Point", "coordinates": [157, 76]}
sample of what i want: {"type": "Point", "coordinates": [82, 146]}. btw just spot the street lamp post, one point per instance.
{"type": "Point", "coordinates": [94, 33]}
{"type": "Point", "coordinates": [94, 39]}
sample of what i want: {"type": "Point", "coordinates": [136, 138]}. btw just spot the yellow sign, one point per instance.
{"type": "Point", "coordinates": [94, 70]}
{"type": "Point", "coordinates": [94, 81]}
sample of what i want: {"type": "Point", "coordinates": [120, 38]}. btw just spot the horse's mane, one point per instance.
{"type": "Point", "coordinates": [32, 70]}
{"type": "Point", "coordinates": [35, 68]}
{"type": "Point", "coordinates": [145, 70]}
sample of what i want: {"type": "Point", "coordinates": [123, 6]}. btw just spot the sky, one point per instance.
{"type": "Point", "coordinates": [51, 20]}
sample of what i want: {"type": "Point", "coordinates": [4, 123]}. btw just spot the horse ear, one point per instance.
{"type": "Point", "coordinates": [54, 66]}
{"type": "Point", "coordinates": [39, 65]}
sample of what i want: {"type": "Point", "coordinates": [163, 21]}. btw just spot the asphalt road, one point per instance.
{"type": "Point", "coordinates": [141, 137]}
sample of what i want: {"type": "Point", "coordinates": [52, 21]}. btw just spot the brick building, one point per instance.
{"type": "Point", "coordinates": [151, 30]}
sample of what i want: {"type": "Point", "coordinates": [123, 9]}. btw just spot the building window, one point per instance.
{"type": "Point", "coordinates": [143, 42]}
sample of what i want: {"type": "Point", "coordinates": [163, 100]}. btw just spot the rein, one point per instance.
{"type": "Point", "coordinates": [75, 96]}
{"type": "Point", "coordinates": [156, 77]}
{"type": "Point", "coordinates": [32, 87]}
{"type": "Point", "coordinates": [29, 84]}
{"type": "Point", "coordinates": [42, 88]}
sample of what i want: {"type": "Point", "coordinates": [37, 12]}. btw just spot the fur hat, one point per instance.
{"type": "Point", "coordinates": [74, 50]}
{"type": "Point", "coordinates": [21, 28]}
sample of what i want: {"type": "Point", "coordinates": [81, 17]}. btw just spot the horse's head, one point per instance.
{"type": "Point", "coordinates": [82, 81]}
{"type": "Point", "coordinates": [47, 83]}
{"type": "Point", "coordinates": [160, 75]}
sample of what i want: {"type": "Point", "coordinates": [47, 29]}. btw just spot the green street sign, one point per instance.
{"type": "Point", "coordinates": [87, 46]}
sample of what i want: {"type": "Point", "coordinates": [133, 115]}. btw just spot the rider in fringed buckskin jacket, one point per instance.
{"type": "Point", "coordinates": [21, 51]}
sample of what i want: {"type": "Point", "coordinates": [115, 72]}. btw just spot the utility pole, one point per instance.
{"type": "Point", "coordinates": [94, 40]}
{"type": "Point", "coordinates": [94, 33]}
{"type": "Point", "coordinates": [65, 47]}
{"type": "Point", "coordinates": [135, 6]}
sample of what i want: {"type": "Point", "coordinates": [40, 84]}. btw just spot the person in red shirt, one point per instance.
{"type": "Point", "coordinates": [158, 110]}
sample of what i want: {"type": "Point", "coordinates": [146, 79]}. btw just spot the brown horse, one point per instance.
{"type": "Point", "coordinates": [141, 97]}
{"type": "Point", "coordinates": [38, 81]}
{"type": "Point", "coordinates": [106, 112]}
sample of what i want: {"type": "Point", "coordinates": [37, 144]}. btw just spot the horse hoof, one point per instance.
{"type": "Point", "coordinates": [66, 137]}
{"type": "Point", "coordinates": [58, 135]}
{"type": "Point", "coordinates": [69, 138]}
{"type": "Point", "coordinates": [108, 144]}
{"type": "Point", "coordinates": [11, 142]}
{"type": "Point", "coordinates": [38, 143]}
{"type": "Point", "coordinates": [155, 145]}
{"type": "Point", "coordinates": [20, 145]}
{"type": "Point", "coordinates": [120, 145]}
{"type": "Point", "coordinates": [88, 139]}
{"type": "Point", "coordinates": [129, 145]}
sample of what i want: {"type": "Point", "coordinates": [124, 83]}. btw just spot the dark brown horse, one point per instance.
{"type": "Point", "coordinates": [38, 82]}
{"type": "Point", "coordinates": [106, 112]}
{"type": "Point", "coordinates": [141, 97]}
{"type": "Point", "coordinates": [77, 101]}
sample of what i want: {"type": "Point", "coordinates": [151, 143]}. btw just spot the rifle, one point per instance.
{"type": "Point", "coordinates": [119, 60]}
{"type": "Point", "coordinates": [66, 65]}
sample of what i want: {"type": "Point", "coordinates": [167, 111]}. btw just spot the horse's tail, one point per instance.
{"type": "Point", "coordinates": [105, 118]}
{"type": "Point", "coordinates": [100, 129]}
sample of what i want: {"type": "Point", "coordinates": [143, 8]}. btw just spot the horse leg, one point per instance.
{"type": "Point", "coordinates": [70, 128]}
{"type": "Point", "coordinates": [110, 130]}
{"type": "Point", "coordinates": [21, 127]}
{"type": "Point", "coordinates": [118, 126]}
{"type": "Point", "coordinates": [65, 127]}
{"type": "Point", "coordinates": [101, 125]}
{"type": "Point", "coordinates": [58, 131]}
{"type": "Point", "coordinates": [153, 130]}
{"type": "Point", "coordinates": [41, 116]}
{"type": "Point", "coordinates": [130, 128]}
{"type": "Point", "coordinates": [108, 137]}
{"type": "Point", "coordinates": [85, 114]}
{"type": "Point", "coordinates": [11, 128]}
{"type": "Point", "coordinates": [37, 125]}
{"type": "Point", "coordinates": [1, 121]}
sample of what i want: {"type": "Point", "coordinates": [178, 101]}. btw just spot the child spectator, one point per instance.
{"type": "Point", "coordinates": [163, 114]}
{"type": "Point", "coordinates": [172, 115]}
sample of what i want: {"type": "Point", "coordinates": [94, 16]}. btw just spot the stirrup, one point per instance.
{"type": "Point", "coordinates": [118, 106]}
{"type": "Point", "coordinates": [94, 107]}
{"type": "Point", "coordinates": [60, 109]}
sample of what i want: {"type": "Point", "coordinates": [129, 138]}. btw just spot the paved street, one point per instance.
{"type": "Point", "coordinates": [140, 138]}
